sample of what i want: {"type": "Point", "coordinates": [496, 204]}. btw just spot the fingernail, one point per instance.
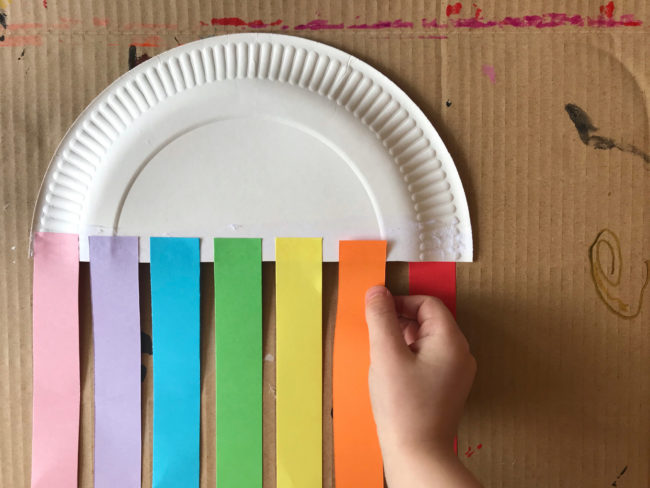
{"type": "Point", "coordinates": [376, 291]}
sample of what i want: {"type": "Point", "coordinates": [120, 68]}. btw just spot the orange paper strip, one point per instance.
{"type": "Point", "coordinates": [357, 458]}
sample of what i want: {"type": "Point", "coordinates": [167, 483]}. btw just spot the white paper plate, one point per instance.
{"type": "Point", "coordinates": [257, 135]}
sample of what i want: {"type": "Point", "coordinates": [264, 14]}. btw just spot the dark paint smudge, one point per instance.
{"type": "Point", "coordinates": [585, 127]}
{"type": "Point", "coordinates": [22, 55]}
{"type": "Point", "coordinates": [619, 476]}
{"type": "Point", "coordinates": [3, 23]}
{"type": "Point", "coordinates": [134, 59]}
{"type": "Point", "coordinates": [448, 103]}
{"type": "Point", "coordinates": [146, 347]}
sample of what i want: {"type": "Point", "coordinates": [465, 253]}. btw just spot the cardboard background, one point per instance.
{"type": "Point", "coordinates": [562, 393]}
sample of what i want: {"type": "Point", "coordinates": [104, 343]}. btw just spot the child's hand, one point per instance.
{"type": "Point", "coordinates": [421, 372]}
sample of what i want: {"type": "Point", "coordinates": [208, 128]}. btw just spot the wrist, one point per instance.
{"type": "Point", "coordinates": [426, 466]}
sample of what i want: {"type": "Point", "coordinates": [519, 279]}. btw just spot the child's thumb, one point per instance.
{"type": "Point", "coordinates": [386, 340]}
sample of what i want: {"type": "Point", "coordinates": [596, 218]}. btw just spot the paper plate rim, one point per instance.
{"type": "Point", "coordinates": [400, 129]}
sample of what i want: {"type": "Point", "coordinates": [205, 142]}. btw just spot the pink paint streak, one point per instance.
{"type": "Point", "coordinates": [395, 24]}
{"type": "Point", "coordinates": [17, 41]}
{"type": "Point", "coordinates": [24, 26]}
{"type": "Point", "coordinates": [97, 22]}
{"type": "Point", "coordinates": [319, 24]}
{"type": "Point", "coordinates": [543, 21]}
{"type": "Point", "coordinates": [488, 71]}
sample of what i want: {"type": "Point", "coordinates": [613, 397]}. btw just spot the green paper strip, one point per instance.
{"type": "Point", "coordinates": [238, 326]}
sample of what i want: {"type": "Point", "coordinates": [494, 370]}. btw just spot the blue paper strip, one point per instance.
{"type": "Point", "coordinates": [175, 305]}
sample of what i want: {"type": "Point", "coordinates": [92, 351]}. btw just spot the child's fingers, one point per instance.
{"type": "Point", "coordinates": [409, 329]}
{"type": "Point", "coordinates": [386, 340]}
{"type": "Point", "coordinates": [429, 312]}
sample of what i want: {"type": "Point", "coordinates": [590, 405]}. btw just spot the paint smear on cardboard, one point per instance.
{"type": "Point", "coordinates": [453, 9]}
{"type": "Point", "coordinates": [488, 70]}
{"type": "Point", "coordinates": [151, 41]}
{"type": "Point", "coordinates": [14, 40]}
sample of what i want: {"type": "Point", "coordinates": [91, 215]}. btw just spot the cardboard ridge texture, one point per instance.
{"type": "Point", "coordinates": [543, 108]}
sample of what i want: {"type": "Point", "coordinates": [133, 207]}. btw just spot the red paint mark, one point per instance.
{"type": "Point", "coordinates": [203, 23]}
{"type": "Point", "coordinates": [100, 22]}
{"type": "Point", "coordinates": [151, 41]}
{"type": "Point", "coordinates": [395, 24]}
{"type": "Point", "coordinates": [470, 452]}
{"type": "Point", "coordinates": [319, 24]}
{"type": "Point", "coordinates": [454, 9]}
{"type": "Point", "coordinates": [488, 71]}
{"type": "Point", "coordinates": [17, 41]}
{"type": "Point", "coordinates": [607, 10]}
{"type": "Point", "coordinates": [45, 3]}
{"type": "Point", "coordinates": [236, 21]}
{"type": "Point", "coordinates": [477, 14]}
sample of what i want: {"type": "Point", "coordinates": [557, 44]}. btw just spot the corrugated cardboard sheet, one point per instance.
{"type": "Point", "coordinates": [563, 389]}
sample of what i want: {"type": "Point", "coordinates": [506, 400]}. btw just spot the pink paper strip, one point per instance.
{"type": "Point", "coordinates": [116, 333]}
{"type": "Point", "coordinates": [55, 430]}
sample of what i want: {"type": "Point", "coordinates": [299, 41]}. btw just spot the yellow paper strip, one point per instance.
{"type": "Point", "coordinates": [299, 431]}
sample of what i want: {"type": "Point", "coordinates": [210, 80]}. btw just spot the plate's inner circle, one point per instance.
{"type": "Point", "coordinates": [245, 176]}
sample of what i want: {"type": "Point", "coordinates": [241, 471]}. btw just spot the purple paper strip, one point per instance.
{"type": "Point", "coordinates": [116, 327]}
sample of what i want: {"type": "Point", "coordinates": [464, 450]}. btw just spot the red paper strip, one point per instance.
{"type": "Point", "coordinates": [436, 280]}
{"type": "Point", "coordinates": [357, 457]}
{"type": "Point", "coordinates": [55, 431]}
